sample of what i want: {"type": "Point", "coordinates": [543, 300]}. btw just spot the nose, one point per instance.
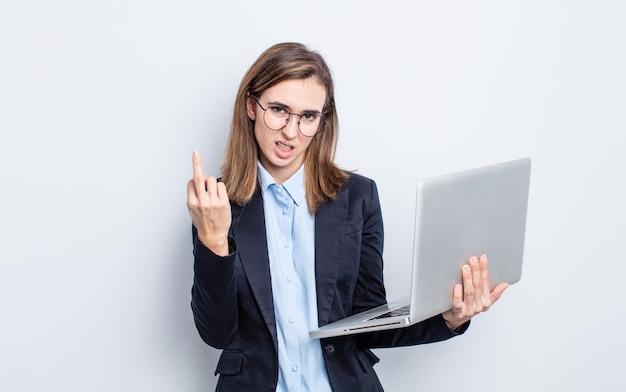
{"type": "Point", "coordinates": [291, 128]}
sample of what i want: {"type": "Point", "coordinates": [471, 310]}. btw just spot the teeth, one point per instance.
{"type": "Point", "coordinates": [283, 147]}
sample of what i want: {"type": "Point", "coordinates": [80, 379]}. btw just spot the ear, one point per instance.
{"type": "Point", "coordinates": [251, 107]}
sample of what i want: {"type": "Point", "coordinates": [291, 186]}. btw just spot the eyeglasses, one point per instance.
{"type": "Point", "coordinates": [277, 117]}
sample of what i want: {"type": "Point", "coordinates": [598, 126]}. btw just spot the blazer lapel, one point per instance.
{"type": "Point", "coordinates": [330, 227]}
{"type": "Point", "coordinates": [248, 227]}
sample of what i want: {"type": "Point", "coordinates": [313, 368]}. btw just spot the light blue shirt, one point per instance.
{"type": "Point", "coordinates": [290, 232]}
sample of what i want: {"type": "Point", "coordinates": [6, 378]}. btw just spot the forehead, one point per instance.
{"type": "Point", "coordinates": [297, 94]}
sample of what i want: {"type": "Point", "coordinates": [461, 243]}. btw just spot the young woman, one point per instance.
{"type": "Point", "coordinates": [286, 242]}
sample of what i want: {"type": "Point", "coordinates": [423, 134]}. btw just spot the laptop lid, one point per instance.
{"type": "Point", "coordinates": [464, 214]}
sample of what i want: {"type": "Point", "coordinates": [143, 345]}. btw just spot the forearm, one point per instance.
{"type": "Point", "coordinates": [214, 295]}
{"type": "Point", "coordinates": [430, 330]}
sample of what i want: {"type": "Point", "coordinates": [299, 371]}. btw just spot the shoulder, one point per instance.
{"type": "Point", "coordinates": [358, 182]}
{"type": "Point", "coordinates": [361, 189]}
{"type": "Point", "coordinates": [358, 197]}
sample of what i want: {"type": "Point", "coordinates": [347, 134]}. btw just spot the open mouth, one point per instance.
{"type": "Point", "coordinates": [284, 147]}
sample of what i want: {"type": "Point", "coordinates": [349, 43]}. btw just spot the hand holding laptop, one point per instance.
{"type": "Point", "coordinates": [474, 295]}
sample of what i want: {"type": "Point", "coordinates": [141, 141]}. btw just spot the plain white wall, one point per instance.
{"type": "Point", "coordinates": [102, 102]}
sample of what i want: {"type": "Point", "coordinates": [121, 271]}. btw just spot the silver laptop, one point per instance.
{"type": "Point", "coordinates": [469, 213]}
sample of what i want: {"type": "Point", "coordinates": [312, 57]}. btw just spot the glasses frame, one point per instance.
{"type": "Point", "coordinates": [289, 114]}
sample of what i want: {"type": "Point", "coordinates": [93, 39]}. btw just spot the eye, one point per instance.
{"type": "Point", "coordinates": [310, 117]}
{"type": "Point", "coordinates": [277, 110]}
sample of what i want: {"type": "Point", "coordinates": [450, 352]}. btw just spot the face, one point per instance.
{"type": "Point", "coordinates": [282, 152]}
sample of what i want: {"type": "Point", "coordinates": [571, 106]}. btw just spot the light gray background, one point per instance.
{"type": "Point", "coordinates": [102, 102]}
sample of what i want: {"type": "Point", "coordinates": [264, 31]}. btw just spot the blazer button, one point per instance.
{"type": "Point", "coordinates": [330, 349]}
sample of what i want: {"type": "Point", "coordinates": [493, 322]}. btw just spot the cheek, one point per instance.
{"type": "Point", "coordinates": [264, 140]}
{"type": "Point", "coordinates": [258, 135]}
{"type": "Point", "coordinates": [305, 141]}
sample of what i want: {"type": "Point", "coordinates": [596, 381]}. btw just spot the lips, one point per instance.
{"type": "Point", "coordinates": [283, 150]}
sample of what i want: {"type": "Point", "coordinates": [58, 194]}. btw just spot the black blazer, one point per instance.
{"type": "Point", "coordinates": [232, 296]}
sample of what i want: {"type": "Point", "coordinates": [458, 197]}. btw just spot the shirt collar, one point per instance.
{"type": "Point", "coordinates": [294, 185]}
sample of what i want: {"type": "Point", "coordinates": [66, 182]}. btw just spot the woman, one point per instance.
{"type": "Point", "coordinates": [287, 242]}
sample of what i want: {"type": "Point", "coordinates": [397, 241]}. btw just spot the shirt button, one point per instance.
{"type": "Point", "coordinates": [289, 279]}
{"type": "Point", "coordinates": [294, 368]}
{"type": "Point", "coordinates": [330, 349]}
{"type": "Point", "coordinates": [286, 245]}
{"type": "Point", "coordinates": [291, 320]}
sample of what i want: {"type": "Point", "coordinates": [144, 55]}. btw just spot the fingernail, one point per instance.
{"type": "Point", "coordinates": [473, 260]}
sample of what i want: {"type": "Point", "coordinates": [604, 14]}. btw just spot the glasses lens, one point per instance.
{"type": "Point", "coordinates": [275, 118]}
{"type": "Point", "coordinates": [309, 124]}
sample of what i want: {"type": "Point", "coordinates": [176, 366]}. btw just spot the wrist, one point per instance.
{"type": "Point", "coordinates": [453, 326]}
{"type": "Point", "coordinates": [219, 247]}
{"type": "Point", "coordinates": [452, 323]}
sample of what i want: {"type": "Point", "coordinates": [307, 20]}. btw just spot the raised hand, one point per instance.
{"type": "Point", "coordinates": [474, 295]}
{"type": "Point", "coordinates": [209, 208]}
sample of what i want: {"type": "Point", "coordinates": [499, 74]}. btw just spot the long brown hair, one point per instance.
{"type": "Point", "coordinates": [323, 179]}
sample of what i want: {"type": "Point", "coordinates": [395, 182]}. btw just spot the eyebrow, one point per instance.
{"type": "Point", "coordinates": [278, 103]}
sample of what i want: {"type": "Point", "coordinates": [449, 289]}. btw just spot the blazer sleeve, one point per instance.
{"type": "Point", "coordinates": [214, 294]}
